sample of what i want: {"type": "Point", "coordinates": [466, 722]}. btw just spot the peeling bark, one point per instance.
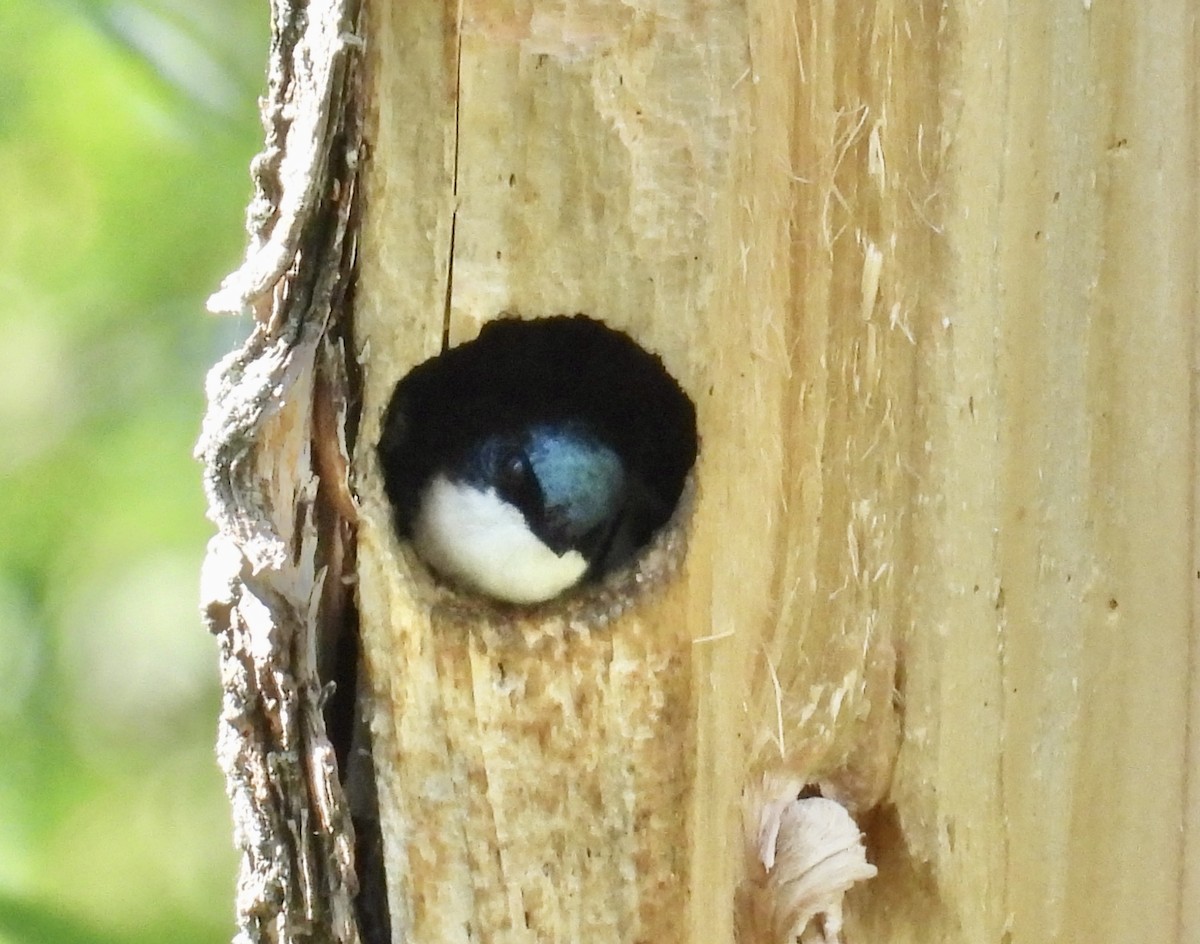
{"type": "Point", "coordinates": [275, 444]}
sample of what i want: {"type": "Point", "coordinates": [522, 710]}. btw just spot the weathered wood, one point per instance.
{"type": "Point", "coordinates": [928, 272]}
{"type": "Point", "coordinates": [275, 586]}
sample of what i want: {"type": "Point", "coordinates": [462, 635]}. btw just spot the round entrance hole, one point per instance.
{"type": "Point", "coordinates": [541, 456]}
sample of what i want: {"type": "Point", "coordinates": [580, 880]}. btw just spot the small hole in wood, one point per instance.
{"type": "Point", "coordinates": [544, 460]}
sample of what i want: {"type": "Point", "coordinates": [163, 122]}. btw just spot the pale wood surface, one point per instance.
{"type": "Point", "coordinates": [930, 274]}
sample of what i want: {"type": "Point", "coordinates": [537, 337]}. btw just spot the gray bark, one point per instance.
{"type": "Point", "coordinates": [275, 444]}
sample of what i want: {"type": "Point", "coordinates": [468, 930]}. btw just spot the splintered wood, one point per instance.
{"type": "Point", "coordinates": [927, 271]}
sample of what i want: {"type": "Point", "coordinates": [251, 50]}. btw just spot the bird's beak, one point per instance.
{"type": "Point", "coordinates": [556, 534]}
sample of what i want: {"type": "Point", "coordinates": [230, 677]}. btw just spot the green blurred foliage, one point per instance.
{"type": "Point", "coordinates": [125, 133]}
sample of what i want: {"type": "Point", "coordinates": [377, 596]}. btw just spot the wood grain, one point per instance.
{"type": "Point", "coordinates": [929, 273]}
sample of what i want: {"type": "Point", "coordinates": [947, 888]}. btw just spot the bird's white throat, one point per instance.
{"type": "Point", "coordinates": [476, 538]}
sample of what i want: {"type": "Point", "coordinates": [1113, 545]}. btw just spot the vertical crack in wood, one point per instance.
{"type": "Point", "coordinates": [276, 445]}
{"type": "Point", "coordinates": [458, 25]}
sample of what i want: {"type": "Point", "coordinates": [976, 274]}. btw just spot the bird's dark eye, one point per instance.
{"type": "Point", "coordinates": [514, 476]}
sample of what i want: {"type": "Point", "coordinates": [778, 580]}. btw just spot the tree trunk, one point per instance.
{"type": "Point", "coordinates": [928, 273]}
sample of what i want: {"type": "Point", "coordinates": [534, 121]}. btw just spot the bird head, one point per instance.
{"type": "Point", "coordinates": [524, 514]}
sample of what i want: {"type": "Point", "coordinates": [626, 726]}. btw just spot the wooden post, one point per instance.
{"type": "Point", "coordinates": [928, 272]}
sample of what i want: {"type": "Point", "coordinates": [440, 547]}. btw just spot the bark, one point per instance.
{"type": "Point", "coordinates": [275, 444]}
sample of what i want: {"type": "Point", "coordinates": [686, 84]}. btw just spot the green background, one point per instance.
{"type": "Point", "coordinates": [125, 134]}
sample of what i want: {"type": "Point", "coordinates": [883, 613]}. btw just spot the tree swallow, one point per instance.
{"type": "Point", "coordinates": [541, 454]}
